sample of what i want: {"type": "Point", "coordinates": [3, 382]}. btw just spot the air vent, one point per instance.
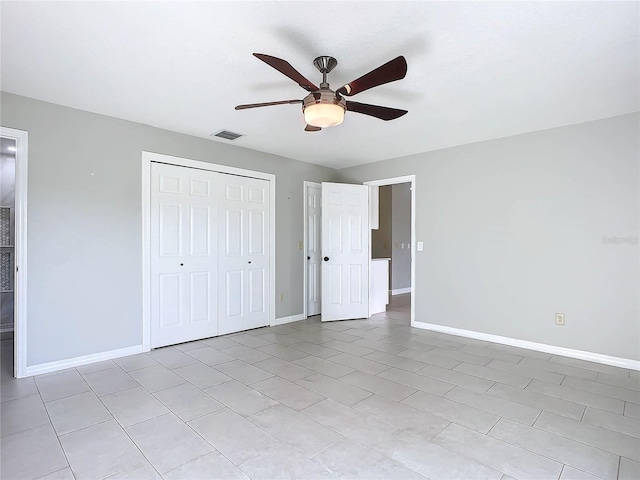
{"type": "Point", "coordinates": [227, 135]}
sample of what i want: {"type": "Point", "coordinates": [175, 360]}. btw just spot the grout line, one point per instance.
{"type": "Point", "coordinates": [619, 464]}
{"type": "Point", "coordinates": [537, 417]}
{"type": "Point", "coordinates": [53, 428]}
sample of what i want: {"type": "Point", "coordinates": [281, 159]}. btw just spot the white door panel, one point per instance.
{"type": "Point", "coordinates": [313, 212]}
{"type": "Point", "coordinates": [200, 234]}
{"type": "Point", "coordinates": [244, 256]}
{"type": "Point", "coordinates": [345, 251]}
{"type": "Point", "coordinates": [170, 230]}
{"type": "Point", "coordinates": [199, 288]}
{"type": "Point", "coordinates": [170, 293]}
{"type": "Point", "coordinates": [233, 295]}
{"type": "Point", "coordinates": [183, 254]}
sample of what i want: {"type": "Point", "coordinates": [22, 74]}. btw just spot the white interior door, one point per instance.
{"type": "Point", "coordinates": [183, 254]}
{"type": "Point", "coordinates": [243, 254]}
{"type": "Point", "coordinates": [312, 242]}
{"type": "Point", "coordinates": [345, 251]}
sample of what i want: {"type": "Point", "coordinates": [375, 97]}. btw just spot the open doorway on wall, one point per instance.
{"type": "Point", "coordinates": [392, 238]}
{"type": "Point", "coordinates": [7, 235]}
{"type": "Point", "coordinates": [389, 292]}
{"type": "Point", "coordinates": [13, 170]}
{"type": "Point", "coordinates": [392, 247]}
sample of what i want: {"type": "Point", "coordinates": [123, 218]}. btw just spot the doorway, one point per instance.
{"type": "Point", "coordinates": [7, 235]}
{"type": "Point", "coordinates": [404, 296]}
{"type": "Point", "coordinates": [13, 251]}
{"type": "Point", "coordinates": [392, 239]}
{"type": "Point", "coordinates": [403, 190]}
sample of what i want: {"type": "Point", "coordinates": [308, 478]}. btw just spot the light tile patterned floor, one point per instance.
{"type": "Point", "coordinates": [361, 399]}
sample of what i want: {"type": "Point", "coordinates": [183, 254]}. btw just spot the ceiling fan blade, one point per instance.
{"type": "Point", "coordinates": [391, 71]}
{"type": "Point", "coordinates": [383, 113]}
{"type": "Point", "coordinates": [311, 128]}
{"type": "Point", "coordinates": [285, 68]}
{"type": "Point", "coordinates": [266, 104]}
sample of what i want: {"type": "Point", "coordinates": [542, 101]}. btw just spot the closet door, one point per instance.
{"type": "Point", "coordinates": [243, 254]}
{"type": "Point", "coordinates": [184, 250]}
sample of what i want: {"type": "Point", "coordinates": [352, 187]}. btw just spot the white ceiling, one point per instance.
{"type": "Point", "coordinates": [477, 70]}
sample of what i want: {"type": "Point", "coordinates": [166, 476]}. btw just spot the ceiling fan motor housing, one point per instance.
{"type": "Point", "coordinates": [324, 108]}
{"type": "Point", "coordinates": [324, 96]}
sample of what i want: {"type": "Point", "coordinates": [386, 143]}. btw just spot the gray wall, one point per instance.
{"type": "Point", "coordinates": [513, 229]}
{"type": "Point", "coordinates": [519, 228]}
{"type": "Point", "coordinates": [401, 234]}
{"type": "Point", "coordinates": [84, 237]}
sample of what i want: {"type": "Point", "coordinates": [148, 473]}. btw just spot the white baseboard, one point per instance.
{"type": "Point", "coordinates": [79, 361]}
{"type": "Point", "coordinates": [400, 291]}
{"type": "Point", "coordinates": [540, 347]}
{"type": "Point", "coordinates": [292, 318]}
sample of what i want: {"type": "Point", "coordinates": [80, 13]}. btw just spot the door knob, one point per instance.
{"type": "Point", "coordinates": [308, 258]}
{"type": "Point", "coordinates": [326, 259]}
{"type": "Point", "coordinates": [249, 261]}
{"type": "Point", "coordinates": [182, 264]}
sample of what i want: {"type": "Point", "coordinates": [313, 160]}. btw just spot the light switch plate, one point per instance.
{"type": "Point", "coordinates": [420, 246]}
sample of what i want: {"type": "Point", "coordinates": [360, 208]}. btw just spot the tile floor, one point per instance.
{"type": "Point", "coordinates": [363, 399]}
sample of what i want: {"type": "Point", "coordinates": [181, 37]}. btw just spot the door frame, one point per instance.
{"type": "Point", "coordinates": [305, 242]}
{"type": "Point", "coordinates": [147, 158]}
{"type": "Point", "coordinates": [393, 181]}
{"type": "Point", "coordinates": [20, 274]}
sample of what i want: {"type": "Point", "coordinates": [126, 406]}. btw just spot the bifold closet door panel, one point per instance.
{"type": "Point", "coordinates": [243, 254]}
{"type": "Point", "coordinates": [184, 253]}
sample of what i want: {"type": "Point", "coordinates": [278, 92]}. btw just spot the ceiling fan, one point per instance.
{"type": "Point", "coordinates": [324, 107]}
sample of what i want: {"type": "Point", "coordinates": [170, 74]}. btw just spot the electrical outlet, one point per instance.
{"type": "Point", "coordinates": [559, 318]}
{"type": "Point", "coordinates": [282, 297]}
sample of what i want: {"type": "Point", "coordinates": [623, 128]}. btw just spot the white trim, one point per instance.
{"type": "Point", "coordinates": [20, 282]}
{"type": "Point", "coordinates": [147, 158]}
{"type": "Point", "coordinates": [400, 291]}
{"type": "Point", "coordinates": [272, 245]}
{"type": "Point", "coordinates": [305, 241]}
{"type": "Point", "coordinates": [212, 167]}
{"type": "Point", "coordinates": [393, 181]}
{"type": "Point", "coordinates": [84, 360]}
{"type": "Point", "coordinates": [146, 254]}
{"type": "Point", "coordinates": [540, 347]}
{"type": "Point", "coordinates": [292, 318]}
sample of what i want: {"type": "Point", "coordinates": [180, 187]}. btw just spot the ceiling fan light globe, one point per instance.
{"type": "Point", "coordinates": [324, 115]}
